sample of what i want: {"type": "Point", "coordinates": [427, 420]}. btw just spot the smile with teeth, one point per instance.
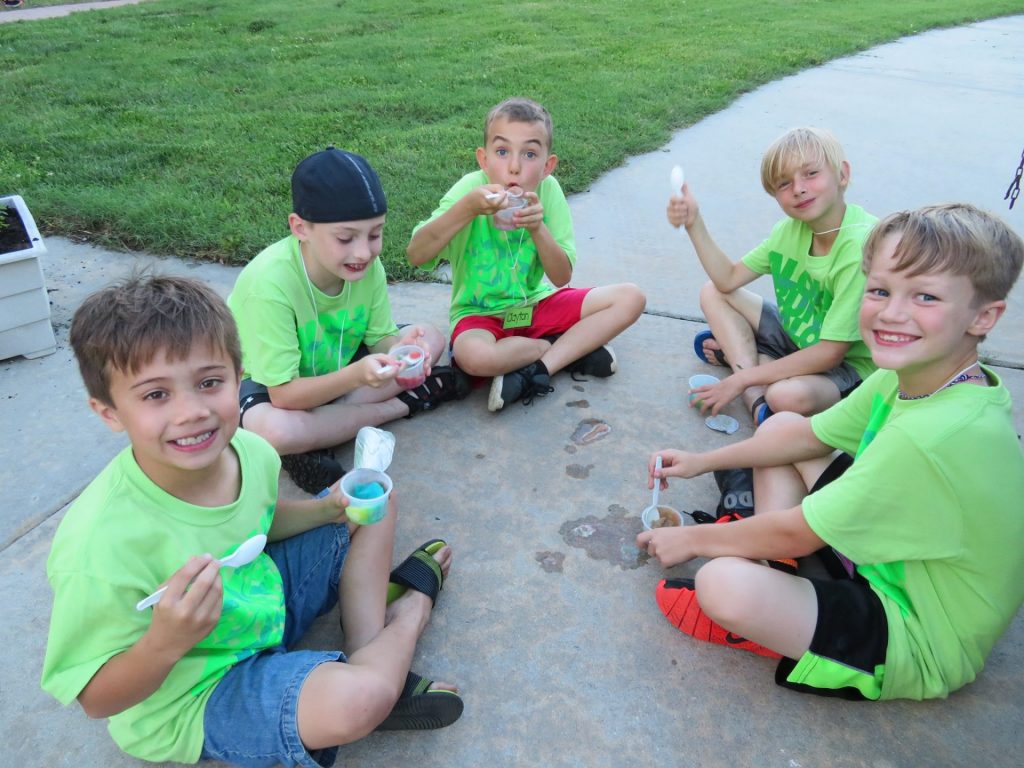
{"type": "Point", "coordinates": [894, 338]}
{"type": "Point", "coordinates": [185, 442]}
{"type": "Point", "coordinates": [356, 267]}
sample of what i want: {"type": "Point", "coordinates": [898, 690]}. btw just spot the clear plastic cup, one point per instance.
{"type": "Point", "coordinates": [410, 360]}
{"type": "Point", "coordinates": [700, 380]}
{"type": "Point", "coordinates": [505, 218]}
{"type": "Point", "coordinates": [367, 491]}
{"type": "Point", "coordinates": [661, 516]}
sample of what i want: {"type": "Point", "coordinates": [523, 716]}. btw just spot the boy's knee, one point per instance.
{"type": "Point", "coordinates": [710, 295]}
{"type": "Point", "coordinates": [721, 586]}
{"type": "Point", "coordinates": [790, 395]}
{"type": "Point", "coordinates": [632, 299]}
{"type": "Point", "coordinates": [361, 705]}
{"type": "Point", "coordinates": [779, 421]}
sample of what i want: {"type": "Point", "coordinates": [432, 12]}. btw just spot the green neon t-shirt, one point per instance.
{"type": "Point", "coordinates": [289, 328]}
{"type": "Point", "coordinates": [819, 296]}
{"type": "Point", "coordinates": [930, 512]}
{"type": "Point", "coordinates": [494, 270]}
{"type": "Point", "coordinates": [119, 541]}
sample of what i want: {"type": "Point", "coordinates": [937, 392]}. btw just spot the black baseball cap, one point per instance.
{"type": "Point", "coordinates": [335, 185]}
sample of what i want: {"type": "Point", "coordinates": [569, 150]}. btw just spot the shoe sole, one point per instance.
{"type": "Point", "coordinates": [495, 402]}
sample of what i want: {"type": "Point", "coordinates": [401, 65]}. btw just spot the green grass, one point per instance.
{"type": "Point", "coordinates": [43, 3]}
{"type": "Point", "coordinates": [173, 126]}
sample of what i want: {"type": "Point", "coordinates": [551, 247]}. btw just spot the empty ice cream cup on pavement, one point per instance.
{"type": "Point", "coordinates": [661, 516]}
{"type": "Point", "coordinates": [410, 360]}
{"type": "Point", "coordinates": [505, 218]}
{"type": "Point", "coordinates": [700, 380]}
{"type": "Point", "coordinates": [367, 491]}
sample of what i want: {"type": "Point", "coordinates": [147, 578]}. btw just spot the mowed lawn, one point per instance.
{"type": "Point", "coordinates": [173, 125]}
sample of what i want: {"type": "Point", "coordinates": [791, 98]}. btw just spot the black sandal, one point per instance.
{"type": "Point", "coordinates": [445, 382]}
{"type": "Point", "coordinates": [421, 708]}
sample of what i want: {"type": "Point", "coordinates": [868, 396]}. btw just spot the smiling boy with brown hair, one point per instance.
{"type": "Point", "coordinates": [210, 671]}
{"type": "Point", "coordinates": [928, 508]}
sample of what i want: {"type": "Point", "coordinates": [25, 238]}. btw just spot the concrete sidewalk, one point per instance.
{"type": "Point", "coordinates": [548, 621]}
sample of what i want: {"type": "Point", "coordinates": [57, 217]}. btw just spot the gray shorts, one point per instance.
{"type": "Point", "coordinates": [773, 341]}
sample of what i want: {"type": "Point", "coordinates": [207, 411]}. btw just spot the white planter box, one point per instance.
{"type": "Point", "coordinates": [24, 306]}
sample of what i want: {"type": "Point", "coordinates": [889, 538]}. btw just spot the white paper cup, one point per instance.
{"type": "Point", "coordinates": [365, 504]}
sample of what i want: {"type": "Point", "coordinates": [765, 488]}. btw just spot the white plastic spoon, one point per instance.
{"type": "Point", "coordinates": [657, 481]}
{"type": "Point", "coordinates": [247, 551]}
{"type": "Point", "coordinates": [677, 179]}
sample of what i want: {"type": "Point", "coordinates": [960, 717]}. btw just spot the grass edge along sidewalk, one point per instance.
{"type": "Point", "coordinates": [185, 148]}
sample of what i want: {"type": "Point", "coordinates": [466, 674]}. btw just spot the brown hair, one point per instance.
{"type": "Point", "coordinates": [956, 238]}
{"type": "Point", "coordinates": [123, 326]}
{"type": "Point", "coordinates": [520, 110]}
{"type": "Point", "coordinates": [796, 147]}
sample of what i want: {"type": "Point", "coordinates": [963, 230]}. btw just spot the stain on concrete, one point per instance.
{"type": "Point", "coordinates": [480, 455]}
{"type": "Point", "coordinates": [578, 388]}
{"type": "Point", "coordinates": [579, 471]}
{"type": "Point", "coordinates": [571, 449]}
{"type": "Point", "coordinates": [550, 561]}
{"type": "Point", "coordinates": [611, 538]}
{"type": "Point", "coordinates": [590, 431]}
{"type": "Point", "coordinates": [578, 404]}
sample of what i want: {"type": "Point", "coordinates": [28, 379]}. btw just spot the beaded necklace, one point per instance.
{"type": "Point", "coordinates": [958, 378]}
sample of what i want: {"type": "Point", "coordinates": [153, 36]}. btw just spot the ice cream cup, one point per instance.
{"type": "Point", "coordinates": [661, 516]}
{"type": "Point", "coordinates": [367, 491]}
{"type": "Point", "coordinates": [505, 218]}
{"type": "Point", "coordinates": [700, 380]}
{"type": "Point", "coordinates": [410, 359]}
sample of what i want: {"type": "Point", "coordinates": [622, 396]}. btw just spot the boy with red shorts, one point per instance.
{"type": "Point", "coordinates": [507, 233]}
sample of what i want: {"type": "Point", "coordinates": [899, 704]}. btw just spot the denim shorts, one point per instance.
{"type": "Point", "coordinates": [772, 340]}
{"type": "Point", "coordinates": [251, 718]}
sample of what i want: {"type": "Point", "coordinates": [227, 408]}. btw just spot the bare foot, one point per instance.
{"type": "Point", "coordinates": [398, 608]}
{"type": "Point", "coordinates": [711, 347]}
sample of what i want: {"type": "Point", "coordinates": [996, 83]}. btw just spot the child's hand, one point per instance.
{"type": "Point", "coordinates": [190, 608]}
{"type": "Point", "coordinates": [674, 464]}
{"type": "Point", "coordinates": [683, 209]}
{"type": "Point", "coordinates": [487, 199]}
{"type": "Point", "coordinates": [414, 334]}
{"type": "Point", "coordinates": [669, 546]}
{"type": "Point", "coordinates": [715, 397]}
{"type": "Point", "coordinates": [531, 216]}
{"type": "Point", "coordinates": [376, 370]}
{"type": "Point", "coordinates": [334, 504]}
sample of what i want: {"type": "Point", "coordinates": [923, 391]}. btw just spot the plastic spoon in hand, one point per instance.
{"type": "Point", "coordinates": [676, 180]}
{"type": "Point", "coordinates": [247, 551]}
{"type": "Point", "coordinates": [657, 481]}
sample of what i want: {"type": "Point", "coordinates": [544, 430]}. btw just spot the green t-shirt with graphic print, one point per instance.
{"type": "Point", "coordinates": [819, 296]}
{"type": "Point", "coordinates": [494, 270]}
{"type": "Point", "coordinates": [289, 328]}
{"type": "Point", "coordinates": [930, 512]}
{"type": "Point", "coordinates": [120, 540]}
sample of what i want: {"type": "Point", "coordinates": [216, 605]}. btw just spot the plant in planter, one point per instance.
{"type": "Point", "coordinates": [24, 306]}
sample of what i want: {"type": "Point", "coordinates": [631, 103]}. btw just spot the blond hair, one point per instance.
{"type": "Point", "coordinates": [123, 326]}
{"type": "Point", "coordinates": [520, 110]}
{"type": "Point", "coordinates": [956, 238]}
{"type": "Point", "coordinates": [795, 148]}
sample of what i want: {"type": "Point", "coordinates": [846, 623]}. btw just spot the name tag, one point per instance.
{"type": "Point", "coordinates": [518, 317]}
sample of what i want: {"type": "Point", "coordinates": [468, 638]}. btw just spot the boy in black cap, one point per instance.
{"type": "Point", "coordinates": [316, 327]}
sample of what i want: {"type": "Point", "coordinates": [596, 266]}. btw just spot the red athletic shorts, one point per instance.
{"type": "Point", "coordinates": [556, 314]}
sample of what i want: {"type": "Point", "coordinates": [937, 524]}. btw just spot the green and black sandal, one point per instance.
{"type": "Point", "coordinates": [419, 571]}
{"type": "Point", "coordinates": [421, 709]}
